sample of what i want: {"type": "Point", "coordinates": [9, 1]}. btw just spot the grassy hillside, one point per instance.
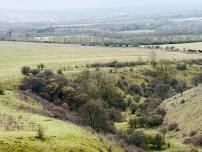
{"type": "Point", "coordinates": [14, 55]}
{"type": "Point", "coordinates": [187, 115]}
{"type": "Point", "coordinates": [19, 125]}
{"type": "Point", "coordinates": [185, 110]}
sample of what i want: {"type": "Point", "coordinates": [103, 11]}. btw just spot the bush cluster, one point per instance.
{"type": "Point", "coordinates": [116, 64]}
{"type": "Point", "coordinates": [77, 95]}
{"type": "Point", "coordinates": [139, 139]}
{"type": "Point", "coordinates": [95, 115]}
{"type": "Point", "coordinates": [99, 99]}
{"type": "Point", "coordinates": [152, 120]}
{"type": "Point", "coordinates": [194, 51]}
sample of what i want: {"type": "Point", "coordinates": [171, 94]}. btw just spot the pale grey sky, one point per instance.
{"type": "Point", "coordinates": [93, 4]}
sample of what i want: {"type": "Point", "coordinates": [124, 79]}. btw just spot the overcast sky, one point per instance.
{"type": "Point", "coordinates": [94, 4]}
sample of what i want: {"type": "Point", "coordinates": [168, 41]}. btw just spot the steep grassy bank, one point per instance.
{"type": "Point", "coordinates": [18, 130]}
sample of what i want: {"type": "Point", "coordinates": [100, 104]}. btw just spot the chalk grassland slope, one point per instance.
{"type": "Point", "coordinates": [18, 129]}
{"type": "Point", "coordinates": [197, 46]}
{"type": "Point", "coordinates": [188, 115]}
{"type": "Point", "coordinates": [14, 55]}
{"type": "Point", "coordinates": [186, 111]}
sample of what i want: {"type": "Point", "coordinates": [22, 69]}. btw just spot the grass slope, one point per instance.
{"type": "Point", "coordinates": [18, 130]}
{"type": "Point", "coordinates": [187, 115]}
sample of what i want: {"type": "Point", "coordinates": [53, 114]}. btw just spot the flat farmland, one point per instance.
{"type": "Point", "coordinates": [14, 55]}
{"type": "Point", "coordinates": [196, 46]}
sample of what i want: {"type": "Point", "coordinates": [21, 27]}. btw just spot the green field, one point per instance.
{"type": "Point", "coordinates": [14, 55]}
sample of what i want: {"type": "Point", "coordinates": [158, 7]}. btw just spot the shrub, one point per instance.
{"type": "Point", "coordinates": [25, 70]}
{"type": "Point", "coordinates": [183, 101]}
{"type": "Point", "coordinates": [193, 132]}
{"type": "Point", "coordinates": [87, 65]}
{"type": "Point", "coordinates": [76, 66]}
{"type": "Point", "coordinates": [94, 115]}
{"type": "Point", "coordinates": [192, 50]}
{"type": "Point", "coordinates": [115, 115]}
{"type": "Point", "coordinates": [163, 131]}
{"type": "Point", "coordinates": [97, 69]}
{"type": "Point", "coordinates": [116, 64]}
{"type": "Point", "coordinates": [197, 79]}
{"type": "Point", "coordinates": [199, 140]}
{"type": "Point", "coordinates": [59, 71]}
{"type": "Point", "coordinates": [41, 66]}
{"type": "Point", "coordinates": [172, 127]}
{"type": "Point", "coordinates": [133, 108]}
{"type": "Point", "coordinates": [137, 122]}
{"type": "Point", "coordinates": [68, 91]}
{"type": "Point", "coordinates": [158, 141]}
{"type": "Point", "coordinates": [111, 95]}
{"type": "Point", "coordinates": [162, 90]}
{"type": "Point", "coordinates": [161, 111]}
{"type": "Point", "coordinates": [154, 142]}
{"type": "Point", "coordinates": [65, 106]}
{"type": "Point", "coordinates": [109, 149]}
{"type": "Point", "coordinates": [150, 104]}
{"type": "Point", "coordinates": [133, 123]}
{"type": "Point", "coordinates": [34, 71]}
{"type": "Point", "coordinates": [181, 87]}
{"type": "Point", "coordinates": [200, 77]}
{"type": "Point", "coordinates": [1, 91]}
{"type": "Point", "coordinates": [195, 140]}
{"type": "Point", "coordinates": [55, 88]}
{"type": "Point", "coordinates": [98, 85]}
{"type": "Point", "coordinates": [139, 139]}
{"type": "Point", "coordinates": [154, 120]}
{"type": "Point", "coordinates": [122, 83]}
{"type": "Point", "coordinates": [135, 138]}
{"type": "Point", "coordinates": [135, 89]}
{"type": "Point", "coordinates": [194, 150]}
{"type": "Point", "coordinates": [32, 83]}
{"type": "Point", "coordinates": [173, 82]}
{"type": "Point", "coordinates": [47, 73]}
{"type": "Point", "coordinates": [181, 66]}
{"type": "Point", "coordinates": [40, 133]}
{"type": "Point", "coordinates": [137, 98]}
{"type": "Point", "coordinates": [111, 70]}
